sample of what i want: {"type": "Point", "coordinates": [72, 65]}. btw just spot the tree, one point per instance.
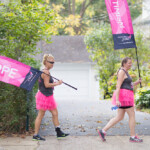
{"type": "Point", "coordinates": [73, 13]}
{"type": "Point", "coordinates": [22, 26]}
{"type": "Point", "coordinates": [79, 16]}
{"type": "Point", "coordinates": [100, 45]}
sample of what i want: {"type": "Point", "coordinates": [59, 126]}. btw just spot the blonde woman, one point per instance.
{"type": "Point", "coordinates": [45, 100]}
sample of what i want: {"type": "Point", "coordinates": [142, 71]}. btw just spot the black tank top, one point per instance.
{"type": "Point", "coordinates": [127, 83]}
{"type": "Point", "coordinates": [43, 89]}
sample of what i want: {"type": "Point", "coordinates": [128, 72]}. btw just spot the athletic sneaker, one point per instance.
{"type": "Point", "coordinates": [37, 138]}
{"type": "Point", "coordinates": [60, 134]}
{"type": "Point", "coordinates": [136, 139]}
{"type": "Point", "coordinates": [102, 135]}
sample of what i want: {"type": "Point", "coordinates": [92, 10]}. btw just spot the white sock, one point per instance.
{"type": "Point", "coordinates": [57, 126]}
{"type": "Point", "coordinates": [103, 131]}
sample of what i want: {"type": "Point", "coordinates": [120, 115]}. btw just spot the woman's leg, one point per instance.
{"type": "Point", "coordinates": [113, 121]}
{"type": "Point", "coordinates": [131, 114]}
{"type": "Point", "coordinates": [60, 134]}
{"type": "Point", "coordinates": [55, 117]}
{"type": "Point", "coordinates": [38, 120]}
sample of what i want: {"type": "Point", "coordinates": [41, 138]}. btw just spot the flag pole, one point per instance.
{"type": "Point", "coordinates": [138, 65]}
{"type": "Point", "coordinates": [62, 82]}
{"type": "Point", "coordinates": [65, 83]}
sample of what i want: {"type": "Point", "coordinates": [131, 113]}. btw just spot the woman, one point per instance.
{"type": "Point", "coordinates": [45, 100]}
{"type": "Point", "coordinates": [123, 98]}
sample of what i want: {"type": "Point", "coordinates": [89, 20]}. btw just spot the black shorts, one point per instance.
{"type": "Point", "coordinates": [125, 107]}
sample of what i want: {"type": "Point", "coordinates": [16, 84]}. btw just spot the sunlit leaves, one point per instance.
{"type": "Point", "coordinates": [57, 8]}
{"type": "Point", "coordinates": [94, 14]}
{"type": "Point", "coordinates": [47, 1]}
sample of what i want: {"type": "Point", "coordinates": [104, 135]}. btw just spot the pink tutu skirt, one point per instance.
{"type": "Point", "coordinates": [126, 97]}
{"type": "Point", "coordinates": [45, 102]}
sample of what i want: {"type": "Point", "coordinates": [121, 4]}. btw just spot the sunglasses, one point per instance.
{"type": "Point", "coordinates": [51, 62]}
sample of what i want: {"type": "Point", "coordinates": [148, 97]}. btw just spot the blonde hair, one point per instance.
{"type": "Point", "coordinates": [46, 56]}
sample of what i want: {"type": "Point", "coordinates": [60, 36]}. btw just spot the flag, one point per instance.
{"type": "Point", "coordinates": [121, 24]}
{"type": "Point", "coordinates": [18, 74]}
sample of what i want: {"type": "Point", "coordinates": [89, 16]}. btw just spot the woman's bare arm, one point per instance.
{"type": "Point", "coordinates": [46, 78]}
{"type": "Point", "coordinates": [137, 82]}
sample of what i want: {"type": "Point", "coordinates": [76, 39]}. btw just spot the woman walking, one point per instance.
{"type": "Point", "coordinates": [123, 97]}
{"type": "Point", "coordinates": [45, 100]}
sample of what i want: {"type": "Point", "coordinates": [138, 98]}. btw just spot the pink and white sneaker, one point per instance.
{"type": "Point", "coordinates": [102, 135]}
{"type": "Point", "coordinates": [136, 139]}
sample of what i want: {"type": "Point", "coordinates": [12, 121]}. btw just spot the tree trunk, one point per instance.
{"type": "Point", "coordinates": [73, 7]}
{"type": "Point", "coordinates": [82, 12]}
{"type": "Point", "coordinates": [82, 9]}
{"type": "Point", "coordinates": [69, 7]}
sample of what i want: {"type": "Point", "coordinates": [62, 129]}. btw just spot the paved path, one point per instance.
{"type": "Point", "coordinates": [74, 143]}
{"type": "Point", "coordinates": [80, 119]}
{"type": "Point", "coordinates": [83, 117]}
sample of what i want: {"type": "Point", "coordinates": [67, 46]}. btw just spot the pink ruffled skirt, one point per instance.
{"type": "Point", "coordinates": [126, 97]}
{"type": "Point", "coordinates": [45, 102]}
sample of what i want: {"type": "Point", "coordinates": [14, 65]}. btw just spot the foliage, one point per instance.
{"type": "Point", "coordinates": [142, 98]}
{"type": "Point", "coordinates": [100, 45]}
{"type": "Point", "coordinates": [13, 108]}
{"type": "Point", "coordinates": [71, 13]}
{"type": "Point", "coordinates": [69, 22]}
{"type": "Point", "coordinates": [22, 26]}
{"type": "Point", "coordinates": [80, 16]}
{"type": "Point", "coordinates": [146, 110]}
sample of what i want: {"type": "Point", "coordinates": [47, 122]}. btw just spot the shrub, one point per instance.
{"type": "Point", "coordinates": [100, 46]}
{"type": "Point", "coordinates": [142, 97]}
{"type": "Point", "coordinates": [22, 26]}
{"type": "Point", "coordinates": [13, 108]}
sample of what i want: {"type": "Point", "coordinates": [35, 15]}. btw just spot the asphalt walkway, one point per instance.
{"type": "Point", "coordinates": [81, 118]}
